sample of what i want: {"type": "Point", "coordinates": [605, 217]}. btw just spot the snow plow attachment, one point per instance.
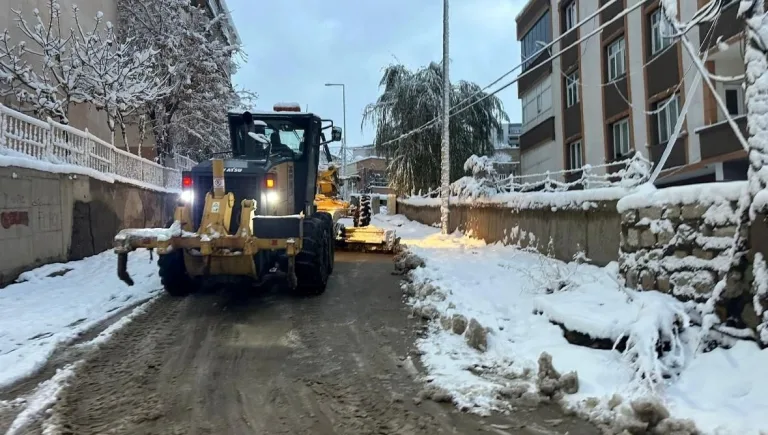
{"type": "Point", "coordinates": [213, 249]}
{"type": "Point", "coordinates": [366, 239]}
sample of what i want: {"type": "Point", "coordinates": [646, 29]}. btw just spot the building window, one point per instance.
{"type": "Point", "coordinates": [574, 155]}
{"type": "Point", "coordinates": [660, 28]}
{"type": "Point", "coordinates": [616, 64]}
{"type": "Point", "coordinates": [572, 89]}
{"type": "Point", "coordinates": [666, 118]}
{"type": "Point", "coordinates": [620, 130]}
{"type": "Point", "coordinates": [570, 15]}
{"type": "Point", "coordinates": [537, 104]}
{"type": "Point", "coordinates": [734, 100]}
{"type": "Point", "coordinates": [539, 33]}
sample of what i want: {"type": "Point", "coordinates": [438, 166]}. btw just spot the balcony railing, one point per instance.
{"type": "Point", "coordinates": [718, 139]}
{"type": "Point", "coordinates": [49, 141]}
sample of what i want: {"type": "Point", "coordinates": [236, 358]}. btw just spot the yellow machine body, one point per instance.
{"type": "Point", "coordinates": [213, 249]}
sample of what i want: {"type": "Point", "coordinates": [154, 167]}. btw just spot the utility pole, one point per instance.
{"type": "Point", "coordinates": [445, 160]}
{"type": "Point", "coordinates": [343, 136]}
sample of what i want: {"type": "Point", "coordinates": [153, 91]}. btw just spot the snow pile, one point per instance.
{"type": "Point", "coordinates": [627, 340]}
{"type": "Point", "coordinates": [44, 396]}
{"type": "Point", "coordinates": [54, 304]}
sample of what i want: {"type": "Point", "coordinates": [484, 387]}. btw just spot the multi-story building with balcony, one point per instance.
{"type": "Point", "coordinates": [621, 91]}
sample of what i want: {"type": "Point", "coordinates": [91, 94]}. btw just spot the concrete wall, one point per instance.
{"type": "Point", "coordinates": [596, 232]}
{"type": "Point", "coordinates": [47, 217]}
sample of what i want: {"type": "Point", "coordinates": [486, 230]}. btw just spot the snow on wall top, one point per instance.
{"type": "Point", "coordinates": [761, 200]}
{"type": "Point", "coordinates": [704, 194]}
{"type": "Point", "coordinates": [575, 199]}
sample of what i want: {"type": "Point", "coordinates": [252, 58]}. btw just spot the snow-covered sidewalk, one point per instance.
{"type": "Point", "coordinates": [54, 304]}
{"type": "Point", "coordinates": [520, 298]}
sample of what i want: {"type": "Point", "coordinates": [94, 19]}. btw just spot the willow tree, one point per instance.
{"type": "Point", "coordinates": [411, 99]}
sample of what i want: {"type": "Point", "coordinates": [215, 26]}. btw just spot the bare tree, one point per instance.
{"type": "Point", "coordinates": [40, 72]}
{"type": "Point", "coordinates": [121, 79]}
{"type": "Point", "coordinates": [198, 60]}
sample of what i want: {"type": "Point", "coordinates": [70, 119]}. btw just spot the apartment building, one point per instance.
{"type": "Point", "coordinates": [621, 91]}
{"type": "Point", "coordinates": [367, 170]}
{"type": "Point", "coordinates": [506, 151]}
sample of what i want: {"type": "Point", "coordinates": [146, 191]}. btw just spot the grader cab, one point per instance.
{"type": "Point", "coordinates": [250, 216]}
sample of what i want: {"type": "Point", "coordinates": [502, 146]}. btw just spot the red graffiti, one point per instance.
{"type": "Point", "coordinates": [11, 218]}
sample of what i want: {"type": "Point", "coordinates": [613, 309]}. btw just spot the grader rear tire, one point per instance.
{"type": "Point", "coordinates": [312, 261]}
{"type": "Point", "coordinates": [365, 210]}
{"type": "Point", "coordinates": [173, 274]}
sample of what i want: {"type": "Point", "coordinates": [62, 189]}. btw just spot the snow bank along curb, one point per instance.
{"type": "Point", "coordinates": [526, 388]}
{"type": "Point", "coordinates": [54, 305]}
{"type": "Point", "coordinates": [596, 231]}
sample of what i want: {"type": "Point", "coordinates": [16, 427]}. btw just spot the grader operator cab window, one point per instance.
{"type": "Point", "coordinates": [271, 137]}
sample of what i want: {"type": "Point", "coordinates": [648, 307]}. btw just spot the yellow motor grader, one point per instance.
{"type": "Point", "coordinates": [362, 236]}
{"type": "Point", "coordinates": [253, 215]}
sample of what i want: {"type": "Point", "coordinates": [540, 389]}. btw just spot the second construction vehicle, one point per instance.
{"type": "Point", "coordinates": [361, 236]}
{"type": "Point", "coordinates": [250, 216]}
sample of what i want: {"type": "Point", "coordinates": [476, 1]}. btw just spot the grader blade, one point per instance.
{"type": "Point", "coordinates": [367, 239]}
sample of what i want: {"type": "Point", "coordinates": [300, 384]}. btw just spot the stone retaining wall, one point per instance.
{"type": "Point", "coordinates": [677, 240]}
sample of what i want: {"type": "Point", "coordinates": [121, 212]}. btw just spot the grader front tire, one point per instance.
{"type": "Point", "coordinates": [173, 274]}
{"type": "Point", "coordinates": [312, 261]}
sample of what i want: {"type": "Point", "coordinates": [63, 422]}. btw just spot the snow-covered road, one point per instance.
{"type": "Point", "coordinates": [505, 290]}
{"type": "Point", "coordinates": [55, 304]}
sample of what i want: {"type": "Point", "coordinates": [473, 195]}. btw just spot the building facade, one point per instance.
{"type": "Point", "coordinates": [367, 171]}
{"type": "Point", "coordinates": [507, 149]}
{"type": "Point", "coordinates": [621, 91]}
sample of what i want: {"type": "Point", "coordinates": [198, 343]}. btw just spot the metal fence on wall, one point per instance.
{"type": "Point", "coordinates": [57, 143]}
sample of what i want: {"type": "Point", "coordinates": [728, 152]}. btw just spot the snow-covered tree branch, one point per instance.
{"type": "Point", "coordinates": [52, 68]}
{"type": "Point", "coordinates": [121, 79]}
{"type": "Point", "coordinates": [197, 59]}
{"type": "Point", "coordinates": [40, 71]}
{"type": "Point", "coordinates": [411, 99]}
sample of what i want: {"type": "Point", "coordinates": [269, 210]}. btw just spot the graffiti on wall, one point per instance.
{"type": "Point", "coordinates": [11, 218]}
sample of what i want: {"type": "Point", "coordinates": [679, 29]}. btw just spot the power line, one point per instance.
{"type": "Point", "coordinates": [530, 70]}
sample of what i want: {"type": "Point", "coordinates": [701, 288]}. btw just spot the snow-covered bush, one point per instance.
{"type": "Point", "coordinates": [481, 183]}
{"type": "Point", "coordinates": [480, 166]}
{"type": "Point", "coordinates": [655, 349]}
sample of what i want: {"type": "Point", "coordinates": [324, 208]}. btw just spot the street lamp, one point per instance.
{"type": "Point", "coordinates": [344, 133]}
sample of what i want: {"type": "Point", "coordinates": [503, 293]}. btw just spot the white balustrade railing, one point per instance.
{"type": "Point", "coordinates": [63, 144]}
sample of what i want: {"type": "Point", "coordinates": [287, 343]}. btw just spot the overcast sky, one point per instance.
{"type": "Point", "coordinates": [295, 47]}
